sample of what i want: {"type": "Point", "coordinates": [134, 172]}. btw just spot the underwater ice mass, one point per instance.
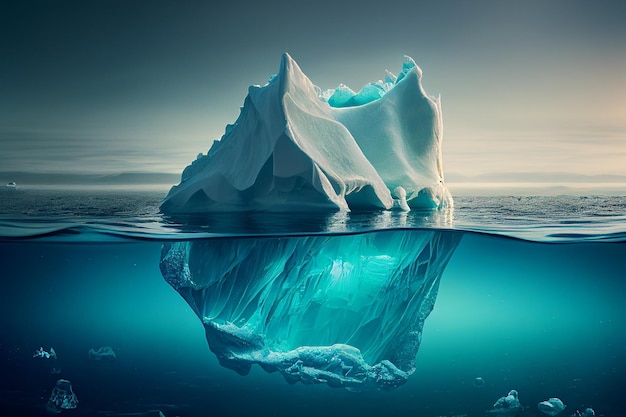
{"type": "Point", "coordinates": [344, 310]}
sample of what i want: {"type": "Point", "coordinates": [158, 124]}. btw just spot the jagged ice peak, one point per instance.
{"type": "Point", "coordinates": [295, 147]}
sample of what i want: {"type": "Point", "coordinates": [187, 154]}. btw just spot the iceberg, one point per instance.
{"type": "Point", "coordinates": [346, 310]}
{"type": "Point", "coordinates": [295, 147]}
{"type": "Point", "coordinates": [342, 309]}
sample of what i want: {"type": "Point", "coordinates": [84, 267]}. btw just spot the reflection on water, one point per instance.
{"type": "Point", "coordinates": [136, 214]}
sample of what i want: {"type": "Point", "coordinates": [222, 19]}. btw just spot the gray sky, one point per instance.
{"type": "Point", "coordinates": [113, 86]}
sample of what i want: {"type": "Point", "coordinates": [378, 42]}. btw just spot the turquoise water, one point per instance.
{"type": "Point", "coordinates": [532, 299]}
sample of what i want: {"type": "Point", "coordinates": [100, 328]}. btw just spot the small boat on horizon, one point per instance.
{"type": "Point", "coordinates": [11, 184]}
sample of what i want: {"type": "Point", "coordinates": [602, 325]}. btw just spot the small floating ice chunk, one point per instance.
{"type": "Point", "coordinates": [588, 412]}
{"type": "Point", "coordinates": [41, 353]}
{"type": "Point", "coordinates": [478, 382]}
{"type": "Point", "coordinates": [508, 405]}
{"type": "Point", "coordinates": [510, 400]}
{"type": "Point", "coordinates": [103, 354]}
{"type": "Point", "coordinates": [62, 397]}
{"type": "Point", "coordinates": [551, 407]}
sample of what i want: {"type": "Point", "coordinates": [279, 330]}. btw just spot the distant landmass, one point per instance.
{"type": "Point", "coordinates": [165, 178]}
{"type": "Point", "coordinates": [534, 177]}
{"type": "Point", "coordinates": [125, 178]}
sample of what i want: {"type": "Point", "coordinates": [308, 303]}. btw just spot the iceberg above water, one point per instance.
{"type": "Point", "coordinates": [297, 148]}
{"type": "Point", "coordinates": [343, 310]}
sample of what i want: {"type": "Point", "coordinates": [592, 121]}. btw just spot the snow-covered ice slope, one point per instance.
{"type": "Point", "coordinates": [296, 148]}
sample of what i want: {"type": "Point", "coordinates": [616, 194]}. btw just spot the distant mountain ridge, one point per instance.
{"type": "Point", "coordinates": [165, 178]}
{"type": "Point", "coordinates": [534, 177]}
{"type": "Point", "coordinates": [123, 178]}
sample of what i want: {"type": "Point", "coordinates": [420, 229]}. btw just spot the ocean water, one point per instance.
{"type": "Point", "coordinates": [532, 299]}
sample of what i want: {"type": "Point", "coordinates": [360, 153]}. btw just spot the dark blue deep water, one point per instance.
{"type": "Point", "coordinates": [533, 299]}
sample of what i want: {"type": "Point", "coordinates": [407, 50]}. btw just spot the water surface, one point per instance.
{"type": "Point", "coordinates": [533, 299]}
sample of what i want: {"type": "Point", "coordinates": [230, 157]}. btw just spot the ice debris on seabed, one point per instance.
{"type": "Point", "coordinates": [62, 397]}
{"type": "Point", "coordinates": [478, 382]}
{"type": "Point", "coordinates": [507, 406]}
{"type": "Point", "coordinates": [295, 147]}
{"type": "Point", "coordinates": [551, 407]}
{"type": "Point", "coordinates": [588, 412]}
{"type": "Point", "coordinates": [41, 353]}
{"type": "Point", "coordinates": [102, 354]}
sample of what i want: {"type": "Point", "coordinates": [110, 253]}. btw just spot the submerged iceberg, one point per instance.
{"type": "Point", "coordinates": [344, 310]}
{"type": "Point", "coordinates": [296, 148]}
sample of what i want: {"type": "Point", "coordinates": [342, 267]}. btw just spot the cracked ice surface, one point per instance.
{"type": "Point", "coordinates": [345, 310]}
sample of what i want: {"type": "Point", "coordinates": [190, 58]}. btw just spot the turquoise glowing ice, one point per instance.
{"type": "Point", "coordinates": [62, 397]}
{"type": "Point", "coordinates": [345, 310]}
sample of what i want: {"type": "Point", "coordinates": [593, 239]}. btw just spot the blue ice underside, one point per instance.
{"type": "Point", "coordinates": [343, 310]}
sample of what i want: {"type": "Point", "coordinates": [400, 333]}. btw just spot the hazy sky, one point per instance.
{"type": "Point", "coordinates": [110, 86]}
